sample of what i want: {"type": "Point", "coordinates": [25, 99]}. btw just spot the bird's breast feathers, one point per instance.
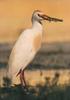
{"type": "Point", "coordinates": [37, 42]}
{"type": "Point", "coordinates": [30, 39]}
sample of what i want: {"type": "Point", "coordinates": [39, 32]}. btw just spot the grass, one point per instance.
{"type": "Point", "coordinates": [39, 92]}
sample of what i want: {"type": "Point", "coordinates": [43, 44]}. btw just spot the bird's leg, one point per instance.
{"type": "Point", "coordinates": [22, 78]}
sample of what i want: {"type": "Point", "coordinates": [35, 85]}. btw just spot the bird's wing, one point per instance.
{"type": "Point", "coordinates": [21, 55]}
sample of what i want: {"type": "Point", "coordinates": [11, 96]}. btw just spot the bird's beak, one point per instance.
{"type": "Point", "coordinates": [45, 17]}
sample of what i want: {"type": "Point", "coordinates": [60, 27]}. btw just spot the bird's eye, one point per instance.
{"type": "Point", "coordinates": [39, 15]}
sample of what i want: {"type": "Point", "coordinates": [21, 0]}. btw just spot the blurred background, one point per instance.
{"type": "Point", "coordinates": [15, 16]}
{"type": "Point", "coordinates": [53, 59]}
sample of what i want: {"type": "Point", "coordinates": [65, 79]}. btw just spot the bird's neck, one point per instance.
{"type": "Point", "coordinates": [37, 26]}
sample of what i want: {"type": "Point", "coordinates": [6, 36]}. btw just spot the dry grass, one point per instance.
{"type": "Point", "coordinates": [34, 77]}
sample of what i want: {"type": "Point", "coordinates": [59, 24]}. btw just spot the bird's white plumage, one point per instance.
{"type": "Point", "coordinates": [23, 53]}
{"type": "Point", "coordinates": [27, 44]}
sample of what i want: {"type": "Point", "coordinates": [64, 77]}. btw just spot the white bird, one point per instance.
{"type": "Point", "coordinates": [27, 46]}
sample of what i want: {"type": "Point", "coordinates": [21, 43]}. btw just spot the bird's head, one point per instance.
{"type": "Point", "coordinates": [40, 16]}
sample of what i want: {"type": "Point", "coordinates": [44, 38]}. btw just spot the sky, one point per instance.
{"type": "Point", "coordinates": [15, 16]}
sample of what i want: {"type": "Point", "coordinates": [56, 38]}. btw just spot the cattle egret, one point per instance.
{"type": "Point", "coordinates": [27, 46]}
